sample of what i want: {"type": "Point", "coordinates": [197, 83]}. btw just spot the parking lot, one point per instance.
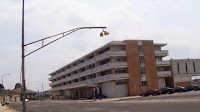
{"type": "Point", "coordinates": [178, 102]}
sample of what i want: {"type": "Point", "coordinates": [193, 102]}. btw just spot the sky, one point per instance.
{"type": "Point", "coordinates": [175, 22]}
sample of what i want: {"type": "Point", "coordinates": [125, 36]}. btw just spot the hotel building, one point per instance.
{"type": "Point", "coordinates": [117, 69]}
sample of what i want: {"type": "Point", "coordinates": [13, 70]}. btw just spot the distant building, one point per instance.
{"type": "Point", "coordinates": [15, 95]}
{"type": "Point", "coordinates": [117, 69]}
{"type": "Point", "coordinates": [183, 70]}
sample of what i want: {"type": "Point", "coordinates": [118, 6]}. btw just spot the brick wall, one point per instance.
{"type": "Point", "coordinates": [150, 65]}
{"type": "Point", "coordinates": [134, 82]}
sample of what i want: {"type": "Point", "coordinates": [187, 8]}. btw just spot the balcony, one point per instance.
{"type": "Point", "coordinates": [162, 63]}
{"type": "Point", "coordinates": [96, 80]}
{"type": "Point", "coordinates": [161, 53]}
{"type": "Point", "coordinates": [117, 53]}
{"type": "Point", "coordinates": [163, 73]}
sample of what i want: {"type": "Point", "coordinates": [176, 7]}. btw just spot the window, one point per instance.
{"type": "Point", "coordinates": [105, 61]}
{"type": "Point", "coordinates": [186, 67]}
{"type": "Point", "coordinates": [194, 67]}
{"type": "Point", "coordinates": [143, 71]}
{"type": "Point", "coordinates": [106, 72]}
{"type": "Point", "coordinates": [83, 78]}
{"type": "Point", "coordinates": [144, 83]}
{"type": "Point", "coordinates": [105, 50]}
{"type": "Point", "coordinates": [141, 59]}
{"type": "Point", "coordinates": [76, 80]}
{"type": "Point", "coordinates": [121, 83]}
{"type": "Point", "coordinates": [178, 67]}
{"type": "Point", "coordinates": [82, 61]}
{"type": "Point", "coordinates": [119, 60]}
{"type": "Point", "coordinates": [140, 49]}
{"type": "Point", "coordinates": [120, 71]}
{"type": "Point", "coordinates": [90, 57]}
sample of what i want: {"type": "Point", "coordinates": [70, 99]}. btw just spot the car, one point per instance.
{"type": "Point", "coordinates": [179, 89]}
{"type": "Point", "coordinates": [153, 92]}
{"type": "Point", "coordinates": [166, 90]}
{"type": "Point", "coordinates": [196, 88]}
{"type": "Point", "coordinates": [192, 87]}
{"type": "Point", "coordinates": [97, 96]}
{"type": "Point", "coordinates": [6, 103]}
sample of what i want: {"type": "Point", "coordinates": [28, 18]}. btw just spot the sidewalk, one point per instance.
{"type": "Point", "coordinates": [6, 109]}
{"type": "Point", "coordinates": [113, 99]}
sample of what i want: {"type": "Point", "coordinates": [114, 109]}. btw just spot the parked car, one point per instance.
{"type": "Point", "coordinates": [97, 96]}
{"type": "Point", "coordinates": [166, 90]}
{"type": "Point", "coordinates": [6, 103]}
{"type": "Point", "coordinates": [192, 87]}
{"type": "Point", "coordinates": [179, 89]}
{"type": "Point", "coordinates": [151, 92]}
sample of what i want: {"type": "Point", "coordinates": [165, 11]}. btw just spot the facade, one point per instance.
{"type": "Point", "coordinates": [117, 69]}
{"type": "Point", "coordinates": [183, 70]}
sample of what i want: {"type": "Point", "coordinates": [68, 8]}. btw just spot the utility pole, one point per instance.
{"type": "Point", "coordinates": [23, 63]}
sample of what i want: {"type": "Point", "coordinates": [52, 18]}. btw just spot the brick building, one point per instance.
{"type": "Point", "coordinates": [117, 69]}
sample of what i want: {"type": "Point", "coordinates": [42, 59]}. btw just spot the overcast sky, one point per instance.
{"type": "Point", "coordinates": [175, 22]}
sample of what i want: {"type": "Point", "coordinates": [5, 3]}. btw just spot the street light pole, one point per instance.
{"type": "Point", "coordinates": [63, 34]}
{"type": "Point", "coordinates": [2, 77]}
{"type": "Point", "coordinates": [42, 89]}
{"type": "Point", "coordinates": [4, 87]}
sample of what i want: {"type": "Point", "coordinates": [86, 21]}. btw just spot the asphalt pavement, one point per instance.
{"type": "Point", "coordinates": [178, 102]}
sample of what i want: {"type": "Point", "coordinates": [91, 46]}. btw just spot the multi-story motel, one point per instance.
{"type": "Point", "coordinates": [117, 69]}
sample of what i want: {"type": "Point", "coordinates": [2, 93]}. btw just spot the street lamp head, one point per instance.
{"type": "Point", "coordinates": [104, 33]}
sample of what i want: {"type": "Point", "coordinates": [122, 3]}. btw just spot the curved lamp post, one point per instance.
{"type": "Point", "coordinates": [4, 87]}
{"type": "Point", "coordinates": [42, 89]}
{"type": "Point", "coordinates": [63, 34]}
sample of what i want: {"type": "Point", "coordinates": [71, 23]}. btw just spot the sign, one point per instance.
{"type": "Point", "coordinates": [93, 89]}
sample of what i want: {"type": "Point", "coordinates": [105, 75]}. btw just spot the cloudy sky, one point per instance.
{"type": "Point", "coordinates": [175, 22]}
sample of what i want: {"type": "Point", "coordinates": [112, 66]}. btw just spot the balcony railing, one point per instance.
{"type": "Point", "coordinates": [100, 79]}
{"type": "Point", "coordinates": [163, 73]}
{"type": "Point", "coordinates": [161, 53]}
{"type": "Point", "coordinates": [88, 62]}
{"type": "Point", "coordinates": [162, 63]}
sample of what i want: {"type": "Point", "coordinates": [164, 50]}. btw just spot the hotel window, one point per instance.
{"type": "Point", "coordinates": [140, 49]}
{"type": "Point", "coordinates": [120, 71]}
{"type": "Point", "coordinates": [91, 57]}
{"type": "Point", "coordinates": [121, 83]}
{"type": "Point", "coordinates": [143, 71]}
{"type": "Point", "coordinates": [141, 59]}
{"type": "Point", "coordinates": [144, 83]}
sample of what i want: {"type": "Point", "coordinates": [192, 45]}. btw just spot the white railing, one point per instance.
{"type": "Point", "coordinates": [162, 63]}
{"type": "Point", "coordinates": [94, 81]}
{"type": "Point", "coordinates": [117, 53]}
{"type": "Point", "coordinates": [88, 62]}
{"type": "Point", "coordinates": [161, 53]}
{"type": "Point", "coordinates": [163, 73]}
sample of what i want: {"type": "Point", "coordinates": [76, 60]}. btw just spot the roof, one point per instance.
{"type": "Point", "coordinates": [18, 91]}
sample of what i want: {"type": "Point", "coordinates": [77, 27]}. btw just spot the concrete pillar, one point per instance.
{"type": "Point", "coordinates": [79, 94]}
{"type": "Point", "coordinates": [87, 93]}
{"type": "Point", "coordinates": [98, 90]}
